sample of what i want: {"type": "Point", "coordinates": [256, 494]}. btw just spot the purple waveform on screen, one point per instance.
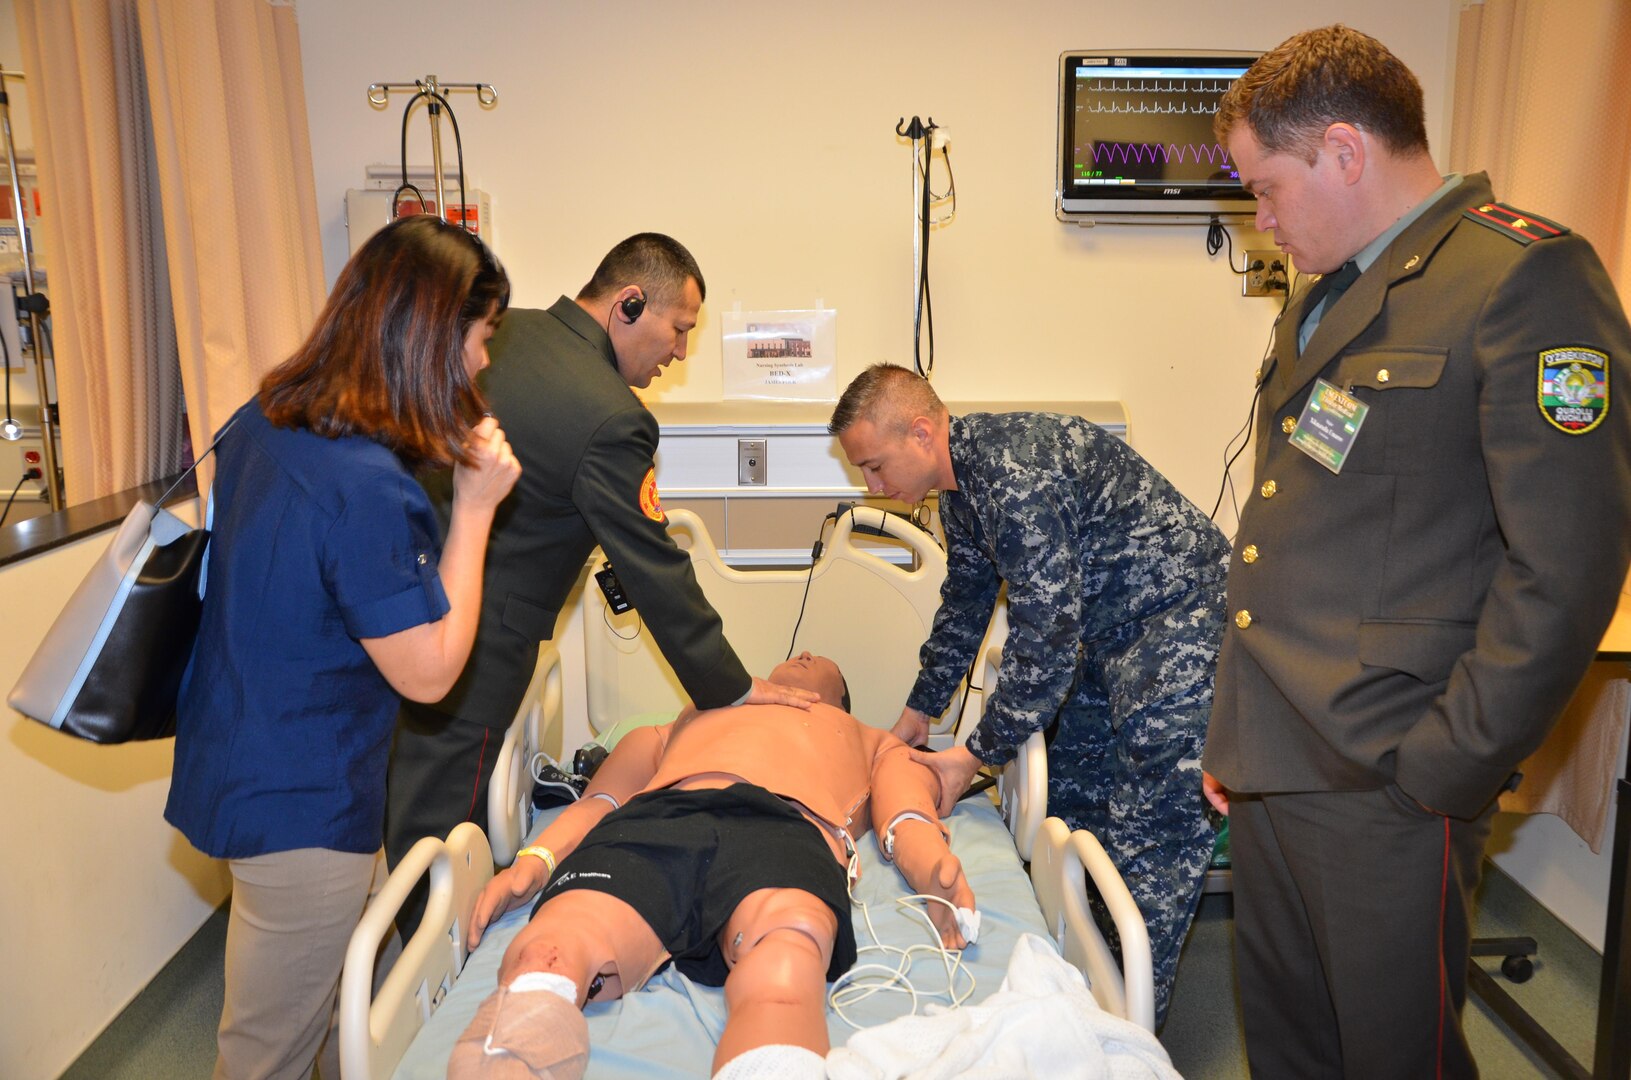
{"type": "Point", "coordinates": [1166, 152]}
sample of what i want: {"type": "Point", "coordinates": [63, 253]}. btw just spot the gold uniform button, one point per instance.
{"type": "Point", "coordinates": [1250, 554]}
{"type": "Point", "coordinates": [1243, 619]}
{"type": "Point", "coordinates": [1384, 375]}
{"type": "Point", "coordinates": [1288, 425]}
{"type": "Point", "coordinates": [1268, 489]}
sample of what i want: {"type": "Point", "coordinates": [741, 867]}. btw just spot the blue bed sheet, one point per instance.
{"type": "Point", "coordinates": [670, 1028]}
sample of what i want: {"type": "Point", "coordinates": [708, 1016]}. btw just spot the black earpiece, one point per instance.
{"type": "Point", "coordinates": [632, 307]}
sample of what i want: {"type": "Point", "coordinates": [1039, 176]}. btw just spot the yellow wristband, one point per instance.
{"type": "Point", "coordinates": [541, 852]}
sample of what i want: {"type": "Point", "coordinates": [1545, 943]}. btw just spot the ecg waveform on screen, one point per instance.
{"type": "Point", "coordinates": [1138, 153]}
{"type": "Point", "coordinates": [1200, 108]}
{"type": "Point", "coordinates": [1213, 87]}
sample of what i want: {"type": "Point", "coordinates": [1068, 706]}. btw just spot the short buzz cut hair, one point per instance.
{"type": "Point", "coordinates": [660, 265]}
{"type": "Point", "coordinates": [888, 395]}
{"type": "Point", "coordinates": [1335, 74]}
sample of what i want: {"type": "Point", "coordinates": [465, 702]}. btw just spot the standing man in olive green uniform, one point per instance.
{"type": "Point", "coordinates": [560, 383]}
{"type": "Point", "coordinates": [1422, 575]}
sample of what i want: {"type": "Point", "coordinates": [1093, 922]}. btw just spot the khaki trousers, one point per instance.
{"type": "Point", "coordinates": [292, 917]}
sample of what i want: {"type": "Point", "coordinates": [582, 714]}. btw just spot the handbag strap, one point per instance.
{"type": "Point", "coordinates": [196, 463]}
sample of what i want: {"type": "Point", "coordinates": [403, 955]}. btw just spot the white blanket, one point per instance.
{"type": "Point", "coordinates": [1041, 1021]}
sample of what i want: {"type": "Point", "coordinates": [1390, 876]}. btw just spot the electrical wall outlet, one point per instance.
{"type": "Point", "coordinates": [1265, 280]}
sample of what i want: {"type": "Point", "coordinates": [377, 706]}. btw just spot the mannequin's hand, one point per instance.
{"type": "Point", "coordinates": [510, 888]}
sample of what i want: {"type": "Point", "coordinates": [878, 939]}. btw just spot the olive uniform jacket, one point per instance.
{"type": "Point", "coordinates": [586, 446]}
{"type": "Point", "coordinates": [1423, 616]}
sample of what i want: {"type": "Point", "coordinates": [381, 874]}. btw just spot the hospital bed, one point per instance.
{"type": "Point", "coordinates": [867, 602]}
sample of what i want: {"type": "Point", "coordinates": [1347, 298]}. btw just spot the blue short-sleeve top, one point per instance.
{"type": "Point", "coordinates": [284, 723]}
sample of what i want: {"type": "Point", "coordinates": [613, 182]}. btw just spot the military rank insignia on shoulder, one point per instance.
{"type": "Point", "coordinates": [1572, 388]}
{"type": "Point", "coordinates": [1514, 224]}
{"type": "Point", "coordinates": [650, 504]}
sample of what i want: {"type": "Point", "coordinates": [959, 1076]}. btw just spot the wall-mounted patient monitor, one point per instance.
{"type": "Point", "coordinates": [1135, 138]}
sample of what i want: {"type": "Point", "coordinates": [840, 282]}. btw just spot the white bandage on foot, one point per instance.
{"type": "Point", "coordinates": [523, 1034]}
{"type": "Point", "coordinates": [775, 1062]}
{"type": "Point", "coordinates": [545, 980]}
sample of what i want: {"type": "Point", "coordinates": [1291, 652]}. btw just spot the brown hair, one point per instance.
{"type": "Point", "coordinates": [888, 395]}
{"type": "Point", "coordinates": [659, 264]}
{"type": "Point", "coordinates": [386, 358]}
{"type": "Point", "coordinates": [1293, 93]}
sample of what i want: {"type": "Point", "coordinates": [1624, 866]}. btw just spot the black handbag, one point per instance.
{"type": "Point", "coordinates": [110, 667]}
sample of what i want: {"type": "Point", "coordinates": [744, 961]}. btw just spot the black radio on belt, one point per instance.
{"type": "Point", "coordinates": [606, 578]}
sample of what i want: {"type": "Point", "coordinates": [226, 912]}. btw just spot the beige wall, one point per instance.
{"type": "Point", "coordinates": [98, 891]}
{"type": "Point", "coordinates": [761, 135]}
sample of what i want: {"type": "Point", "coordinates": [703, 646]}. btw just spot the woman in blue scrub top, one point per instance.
{"type": "Point", "coordinates": [328, 595]}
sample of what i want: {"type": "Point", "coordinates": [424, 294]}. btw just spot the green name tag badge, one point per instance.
{"type": "Point", "coordinates": [1329, 425]}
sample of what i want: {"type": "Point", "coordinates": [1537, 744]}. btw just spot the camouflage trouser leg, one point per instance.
{"type": "Point", "coordinates": [1138, 789]}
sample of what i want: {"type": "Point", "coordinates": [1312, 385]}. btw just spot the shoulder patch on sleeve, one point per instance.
{"type": "Point", "coordinates": [650, 504]}
{"type": "Point", "coordinates": [1572, 388]}
{"type": "Point", "coordinates": [1515, 224]}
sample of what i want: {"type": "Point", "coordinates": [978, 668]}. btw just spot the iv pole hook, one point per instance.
{"type": "Point", "coordinates": [913, 130]}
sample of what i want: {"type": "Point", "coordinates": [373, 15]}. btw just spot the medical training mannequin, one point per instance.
{"type": "Point", "coordinates": [772, 944]}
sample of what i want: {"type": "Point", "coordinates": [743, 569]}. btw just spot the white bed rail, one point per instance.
{"type": "Point", "coordinates": [1022, 790]}
{"type": "Point", "coordinates": [509, 795]}
{"type": "Point", "coordinates": [375, 1029]}
{"type": "Point", "coordinates": [1022, 784]}
{"type": "Point", "coordinates": [1061, 864]}
{"type": "Point", "coordinates": [1061, 861]}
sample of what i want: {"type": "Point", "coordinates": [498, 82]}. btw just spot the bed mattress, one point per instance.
{"type": "Point", "coordinates": [670, 1028]}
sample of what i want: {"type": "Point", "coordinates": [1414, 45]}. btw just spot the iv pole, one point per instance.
{"type": "Point", "coordinates": [36, 304]}
{"type": "Point", "coordinates": [431, 90]}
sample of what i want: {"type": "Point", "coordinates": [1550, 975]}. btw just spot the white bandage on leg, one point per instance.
{"type": "Point", "coordinates": [775, 1062]}
{"type": "Point", "coordinates": [545, 980]}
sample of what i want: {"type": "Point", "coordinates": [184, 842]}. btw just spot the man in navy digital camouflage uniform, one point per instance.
{"type": "Point", "coordinates": [1115, 608]}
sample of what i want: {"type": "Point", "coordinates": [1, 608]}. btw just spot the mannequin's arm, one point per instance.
{"type": "Point", "coordinates": [904, 795]}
